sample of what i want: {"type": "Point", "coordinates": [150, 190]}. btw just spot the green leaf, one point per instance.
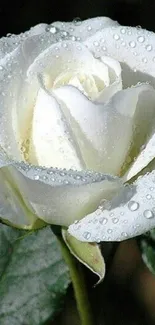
{"type": "Point", "coordinates": [33, 276]}
{"type": "Point", "coordinates": [147, 246]}
{"type": "Point", "coordinates": [87, 253]}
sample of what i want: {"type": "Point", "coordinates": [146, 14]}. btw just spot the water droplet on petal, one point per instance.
{"type": "Point", "coordinates": [109, 231]}
{"type": "Point", "coordinates": [87, 235]}
{"type": "Point", "coordinates": [132, 44]}
{"type": "Point", "coordinates": [133, 205]}
{"type": "Point", "coordinates": [123, 43]}
{"type": "Point", "coordinates": [36, 177]}
{"type": "Point", "coordinates": [103, 221]}
{"type": "Point", "coordinates": [115, 220]}
{"type": "Point", "coordinates": [64, 45]}
{"type": "Point", "coordinates": [141, 39]}
{"type": "Point", "coordinates": [148, 47]}
{"type": "Point", "coordinates": [148, 214]}
{"type": "Point", "coordinates": [124, 234]}
{"type": "Point", "coordinates": [89, 28]}
{"type": "Point", "coordinates": [148, 196]}
{"type": "Point", "coordinates": [77, 21]}
{"type": "Point", "coordinates": [98, 212]}
{"type": "Point", "coordinates": [64, 33]}
{"type": "Point", "coordinates": [144, 60]}
{"type": "Point", "coordinates": [104, 48]}
{"type": "Point", "coordinates": [53, 30]}
{"type": "Point", "coordinates": [123, 31]}
{"type": "Point", "coordinates": [73, 38]}
{"type": "Point", "coordinates": [116, 37]}
{"type": "Point", "coordinates": [96, 43]}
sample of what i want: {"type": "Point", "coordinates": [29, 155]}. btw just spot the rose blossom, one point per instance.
{"type": "Point", "coordinates": [77, 129]}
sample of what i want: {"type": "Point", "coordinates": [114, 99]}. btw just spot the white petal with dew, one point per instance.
{"type": "Point", "coordinates": [128, 214]}
{"type": "Point", "coordinates": [59, 196]}
{"type": "Point", "coordinates": [86, 28]}
{"type": "Point", "coordinates": [66, 55]}
{"type": "Point", "coordinates": [52, 141]}
{"type": "Point", "coordinates": [130, 45]}
{"type": "Point", "coordinates": [115, 84]}
{"type": "Point", "coordinates": [104, 131]}
{"type": "Point", "coordinates": [144, 158]}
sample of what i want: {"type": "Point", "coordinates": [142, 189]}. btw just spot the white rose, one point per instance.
{"type": "Point", "coordinates": [77, 124]}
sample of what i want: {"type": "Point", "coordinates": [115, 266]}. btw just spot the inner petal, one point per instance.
{"type": "Point", "coordinates": [86, 83]}
{"type": "Point", "coordinates": [60, 62]}
{"type": "Point", "coordinates": [52, 142]}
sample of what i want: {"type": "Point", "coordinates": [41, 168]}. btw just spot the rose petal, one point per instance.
{"type": "Point", "coordinates": [52, 141]}
{"type": "Point", "coordinates": [142, 150]}
{"type": "Point", "coordinates": [10, 82]}
{"type": "Point", "coordinates": [70, 56]}
{"type": "Point", "coordinates": [55, 195]}
{"type": "Point", "coordinates": [86, 28]}
{"type": "Point", "coordinates": [59, 196]}
{"type": "Point", "coordinates": [16, 92]}
{"type": "Point", "coordinates": [12, 209]}
{"type": "Point", "coordinates": [115, 85]}
{"type": "Point", "coordinates": [105, 137]}
{"type": "Point", "coordinates": [144, 158]}
{"type": "Point", "coordinates": [8, 44]}
{"type": "Point", "coordinates": [130, 45]}
{"type": "Point", "coordinates": [129, 214]}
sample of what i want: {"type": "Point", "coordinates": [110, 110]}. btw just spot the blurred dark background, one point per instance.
{"type": "Point", "coordinates": [17, 16]}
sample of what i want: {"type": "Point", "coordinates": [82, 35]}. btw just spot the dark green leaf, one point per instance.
{"type": "Point", "coordinates": [33, 276]}
{"type": "Point", "coordinates": [147, 245]}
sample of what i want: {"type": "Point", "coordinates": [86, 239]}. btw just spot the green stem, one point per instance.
{"type": "Point", "coordinates": [79, 285]}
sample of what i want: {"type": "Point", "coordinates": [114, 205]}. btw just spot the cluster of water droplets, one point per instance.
{"type": "Point", "coordinates": [128, 215]}
{"type": "Point", "coordinates": [58, 177]}
{"type": "Point", "coordinates": [124, 42]}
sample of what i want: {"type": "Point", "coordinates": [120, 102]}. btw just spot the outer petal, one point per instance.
{"type": "Point", "coordinates": [132, 46]}
{"type": "Point", "coordinates": [146, 156]}
{"type": "Point", "coordinates": [10, 43]}
{"type": "Point", "coordinates": [56, 196]}
{"type": "Point", "coordinates": [13, 211]}
{"type": "Point", "coordinates": [16, 92]}
{"type": "Point", "coordinates": [128, 214]}
{"type": "Point", "coordinates": [10, 80]}
{"type": "Point", "coordinates": [84, 29]}
{"type": "Point", "coordinates": [105, 132]}
{"type": "Point", "coordinates": [142, 150]}
{"type": "Point", "coordinates": [57, 31]}
{"type": "Point", "coordinates": [60, 196]}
